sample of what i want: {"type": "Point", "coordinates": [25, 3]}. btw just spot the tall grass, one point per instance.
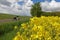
{"type": "Point", "coordinates": [9, 26]}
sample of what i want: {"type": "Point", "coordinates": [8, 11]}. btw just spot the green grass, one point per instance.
{"type": "Point", "coordinates": [8, 36]}
{"type": "Point", "coordinates": [6, 16]}
{"type": "Point", "coordinates": [6, 27]}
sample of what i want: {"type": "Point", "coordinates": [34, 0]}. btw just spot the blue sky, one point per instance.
{"type": "Point", "coordinates": [58, 0]}
{"type": "Point", "coordinates": [43, 1]}
{"type": "Point", "coordinates": [34, 1]}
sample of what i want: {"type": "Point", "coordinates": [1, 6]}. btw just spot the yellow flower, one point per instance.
{"type": "Point", "coordinates": [49, 38]}
{"type": "Point", "coordinates": [24, 25]}
{"type": "Point", "coordinates": [15, 27]}
{"type": "Point", "coordinates": [18, 37]}
{"type": "Point", "coordinates": [18, 33]}
{"type": "Point", "coordinates": [39, 27]}
{"type": "Point", "coordinates": [36, 36]}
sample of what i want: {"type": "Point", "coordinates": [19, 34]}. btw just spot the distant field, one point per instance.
{"type": "Point", "coordinates": [6, 16]}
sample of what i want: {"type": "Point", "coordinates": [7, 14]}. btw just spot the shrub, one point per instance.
{"type": "Point", "coordinates": [36, 10]}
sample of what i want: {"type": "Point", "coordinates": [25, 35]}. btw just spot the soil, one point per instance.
{"type": "Point", "coordinates": [6, 20]}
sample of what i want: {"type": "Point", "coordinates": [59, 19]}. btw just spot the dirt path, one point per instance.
{"type": "Point", "coordinates": [6, 20]}
{"type": "Point", "coordinates": [11, 20]}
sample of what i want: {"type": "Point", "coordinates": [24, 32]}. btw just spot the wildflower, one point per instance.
{"type": "Point", "coordinates": [47, 28]}
{"type": "Point", "coordinates": [24, 25]}
{"type": "Point", "coordinates": [18, 37]}
{"type": "Point", "coordinates": [15, 27]}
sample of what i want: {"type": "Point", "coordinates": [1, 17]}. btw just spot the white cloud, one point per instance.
{"type": "Point", "coordinates": [12, 7]}
{"type": "Point", "coordinates": [12, 1]}
{"type": "Point", "coordinates": [27, 6]}
{"type": "Point", "coordinates": [20, 0]}
{"type": "Point", "coordinates": [50, 6]}
{"type": "Point", "coordinates": [5, 2]}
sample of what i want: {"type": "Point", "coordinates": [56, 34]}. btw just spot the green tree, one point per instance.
{"type": "Point", "coordinates": [36, 10]}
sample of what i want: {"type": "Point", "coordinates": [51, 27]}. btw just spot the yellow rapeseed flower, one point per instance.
{"type": "Point", "coordinates": [47, 28]}
{"type": "Point", "coordinates": [24, 25]}
{"type": "Point", "coordinates": [15, 27]}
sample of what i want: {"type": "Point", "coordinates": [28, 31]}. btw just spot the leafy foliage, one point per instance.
{"type": "Point", "coordinates": [36, 10]}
